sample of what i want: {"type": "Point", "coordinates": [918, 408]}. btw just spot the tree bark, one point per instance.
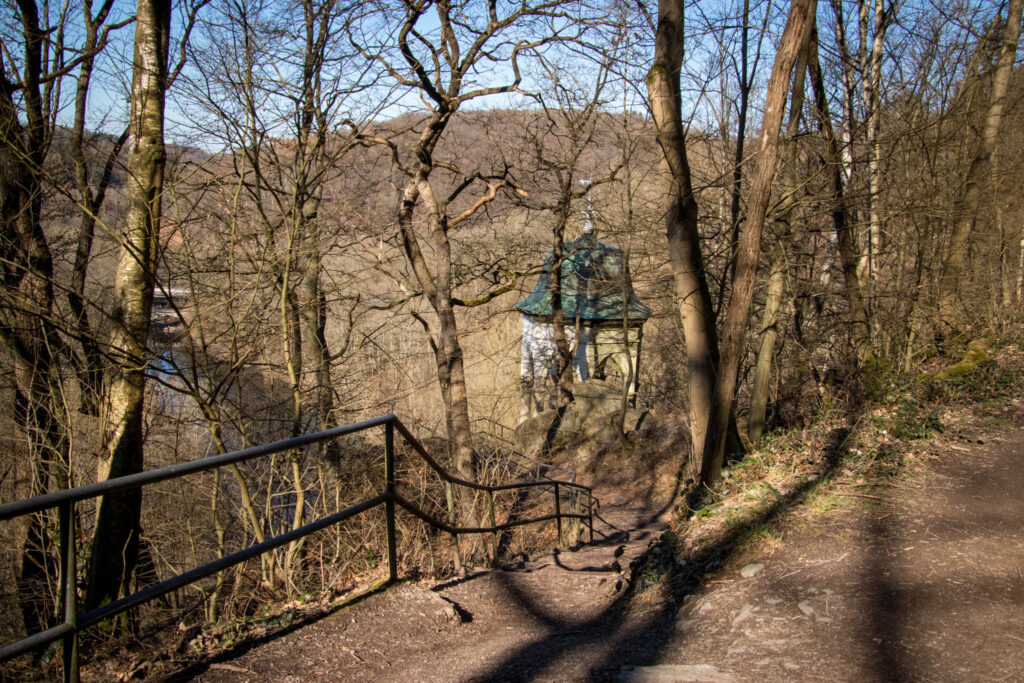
{"type": "Point", "coordinates": [741, 136]}
{"type": "Point", "coordinates": [1006, 240]}
{"type": "Point", "coordinates": [769, 335]}
{"type": "Point", "coordinates": [967, 203]}
{"type": "Point", "coordinates": [777, 273]}
{"type": "Point", "coordinates": [563, 361]}
{"type": "Point", "coordinates": [738, 312]}
{"type": "Point", "coordinates": [842, 222]}
{"type": "Point", "coordinates": [27, 326]}
{"type": "Point", "coordinates": [115, 546]}
{"type": "Point", "coordinates": [437, 287]}
{"type": "Point", "coordinates": [873, 115]}
{"type": "Point", "coordinates": [680, 206]}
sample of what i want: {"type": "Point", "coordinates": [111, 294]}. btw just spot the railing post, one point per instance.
{"type": "Point", "coordinates": [590, 514]}
{"type": "Point", "coordinates": [69, 596]}
{"type": "Point", "coordinates": [389, 504]}
{"type": "Point", "coordinates": [558, 515]}
{"type": "Point", "coordinates": [494, 533]}
{"type": "Point", "coordinates": [574, 507]}
{"type": "Point", "coordinates": [450, 497]}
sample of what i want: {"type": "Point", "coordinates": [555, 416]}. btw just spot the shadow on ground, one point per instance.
{"type": "Point", "coordinates": [631, 632]}
{"type": "Point", "coordinates": [638, 641]}
{"type": "Point", "coordinates": [245, 646]}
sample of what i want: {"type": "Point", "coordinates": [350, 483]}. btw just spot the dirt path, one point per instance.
{"type": "Point", "coordinates": [922, 580]}
{"type": "Point", "coordinates": [457, 630]}
{"type": "Point", "coordinates": [919, 579]}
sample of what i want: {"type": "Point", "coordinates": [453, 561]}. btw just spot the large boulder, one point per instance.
{"type": "Point", "coordinates": [593, 416]}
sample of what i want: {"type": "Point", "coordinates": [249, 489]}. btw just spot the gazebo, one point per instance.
{"type": "Point", "coordinates": [597, 289]}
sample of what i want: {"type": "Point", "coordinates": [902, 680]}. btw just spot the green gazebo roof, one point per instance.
{"type": "Point", "coordinates": [594, 279]}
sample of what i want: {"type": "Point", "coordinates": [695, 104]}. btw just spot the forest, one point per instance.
{"type": "Point", "coordinates": [229, 222]}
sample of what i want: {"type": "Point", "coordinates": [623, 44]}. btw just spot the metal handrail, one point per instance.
{"type": "Point", "coordinates": [65, 500]}
{"type": "Point", "coordinates": [101, 488]}
{"type": "Point", "coordinates": [495, 423]}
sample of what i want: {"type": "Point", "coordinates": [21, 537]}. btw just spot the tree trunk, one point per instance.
{"type": "Point", "coordinates": [850, 64]}
{"type": "Point", "coordinates": [967, 203]}
{"type": "Point", "coordinates": [777, 272]}
{"type": "Point", "coordinates": [90, 367]}
{"type": "Point", "coordinates": [1006, 238]}
{"type": "Point", "coordinates": [738, 312]}
{"type": "Point", "coordinates": [741, 137]}
{"type": "Point", "coordinates": [456, 397]}
{"type": "Point", "coordinates": [329, 452]}
{"type": "Point", "coordinates": [873, 115]}
{"type": "Point", "coordinates": [1020, 266]}
{"type": "Point", "coordinates": [291, 338]}
{"type": "Point", "coordinates": [628, 190]}
{"type": "Point", "coordinates": [308, 167]}
{"type": "Point", "coordinates": [437, 288]}
{"type": "Point", "coordinates": [563, 361]}
{"type": "Point", "coordinates": [26, 328]}
{"type": "Point", "coordinates": [842, 222]}
{"type": "Point", "coordinates": [115, 546]}
{"type": "Point", "coordinates": [769, 335]}
{"type": "Point", "coordinates": [680, 206]}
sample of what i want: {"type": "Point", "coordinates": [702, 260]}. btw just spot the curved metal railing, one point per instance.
{"type": "Point", "coordinates": [65, 501]}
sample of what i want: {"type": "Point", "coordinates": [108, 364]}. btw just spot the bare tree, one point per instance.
{"type": "Point", "coordinates": [745, 58]}
{"type": "Point", "coordinates": [90, 199]}
{"type": "Point", "coordinates": [27, 323]}
{"type": "Point", "coordinates": [981, 160]}
{"type": "Point", "coordinates": [842, 222]}
{"type": "Point", "coordinates": [684, 250]}
{"type": "Point", "coordinates": [784, 218]}
{"type": "Point", "coordinates": [279, 84]}
{"type": "Point", "coordinates": [872, 133]}
{"type": "Point", "coordinates": [737, 313]}
{"type": "Point", "coordinates": [566, 129]}
{"type": "Point", "coordinates": [29, 320]}
{"type": "Point", "coordinates": [442, 54]}
{"type": "Point", "coordinates": [116, 539]}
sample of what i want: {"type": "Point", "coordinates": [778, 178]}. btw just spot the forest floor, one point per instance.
{"type": "Point", "coordinates": [917, 575]}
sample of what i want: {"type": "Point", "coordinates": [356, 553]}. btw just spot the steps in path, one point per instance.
{"type": "Point", "coordinates": [918, 578]}
{"type": "Point", "coordinates": [482, 627]}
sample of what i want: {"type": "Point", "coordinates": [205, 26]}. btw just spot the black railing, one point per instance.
{"type": "Point", "coordinates": [65, 501]}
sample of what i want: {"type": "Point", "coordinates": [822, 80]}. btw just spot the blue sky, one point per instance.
{"type": "Point", "coordinates": [710, 67]}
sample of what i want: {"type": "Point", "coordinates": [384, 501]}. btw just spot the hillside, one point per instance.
{"type": "Point", "coordinates": [905, 564]}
